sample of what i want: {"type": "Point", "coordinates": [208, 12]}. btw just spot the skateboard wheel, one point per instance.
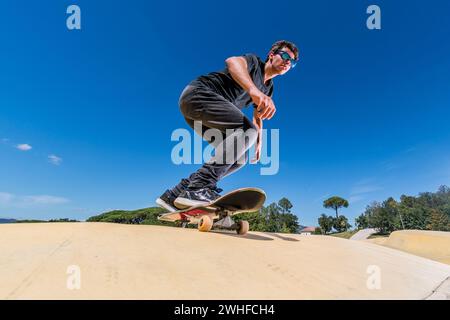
{"type": "Point", "coordinates": [205, 224]}
{"type": "Point", "coordinates": [242, 227]}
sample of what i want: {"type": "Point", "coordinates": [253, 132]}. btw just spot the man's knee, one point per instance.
{"type": "Point", "coordinates": [188, 107]}
{"type": "Point", "coordinates": [187, 92]}
{"type": "Point", "coordinates": [185, 106]}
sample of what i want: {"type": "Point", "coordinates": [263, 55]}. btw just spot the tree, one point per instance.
{"type": "Point", "coordinates": [273, 224]}
{"type": "Point", "coordinates": [362, 222]}
{"type": "Point", "coordinates": [335, 203]}
{"type": "Point", "coordinates": [382, 218]}
{"type": "Point", "coordinates": [318, 230]}
{"type": "Point", "coordinates": [414, 218]}
{"type": "Point", "coordinates": [444, 190]}
{"type": "Point", "coordinates": [341, 224]}
{"type": "Point", "coordinates": [285, 205]}
{"type": "Point", "coordinates": [289, 223]}
{"type": "Point", "coordinates": [326, 223]}
{"type": "Point", "coordinates": [276, 217]}
{"type": "Point", "coordinates": [438, 221]}
{"type": "Point", "coordinates": [428, 211]}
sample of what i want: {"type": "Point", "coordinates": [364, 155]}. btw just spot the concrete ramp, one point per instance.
{"type": "Point", "coordinates": [433, 245]}
{"type": "Point", "coordinates": [112, 261]}
{"type": "Point", "coordinates": [363, 234]}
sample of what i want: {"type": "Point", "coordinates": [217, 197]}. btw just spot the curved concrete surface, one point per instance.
{"type": "Point", "coordinates": [380, 240]}
{"type": "Point", "coordinates": [363, 234]}
{"type": "Point", "coordinates": [112, 261]}
{"type": "Point", "coordinates": [429, 244]}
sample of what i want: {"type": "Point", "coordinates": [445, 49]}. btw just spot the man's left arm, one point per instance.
{"type": "Point", "coordinates": [258, 122]}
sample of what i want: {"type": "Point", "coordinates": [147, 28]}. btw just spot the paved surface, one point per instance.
{"type": "Point", "coordinates": [112, 261]}
{"type": "Point", "coordinates": [363, 234]}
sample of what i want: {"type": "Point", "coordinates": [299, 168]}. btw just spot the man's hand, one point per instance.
{"type": "Point", "coordinates": [257, 121]}
{"type": "Point", "coordinates": [265, 105]}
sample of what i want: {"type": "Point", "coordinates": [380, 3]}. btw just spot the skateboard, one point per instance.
{"type": "Point", "coordinates": [217, 214]}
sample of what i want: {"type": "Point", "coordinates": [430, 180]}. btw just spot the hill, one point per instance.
{"type": "Point", "coordinates": [140, 216]}
{"type": "Point", "coordinates": [7, 220]}
{"type": "Point", "coordinates": [36, 221]}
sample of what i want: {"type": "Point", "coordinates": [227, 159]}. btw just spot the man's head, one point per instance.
{"type": "Point", "coordinates": [282, 55]}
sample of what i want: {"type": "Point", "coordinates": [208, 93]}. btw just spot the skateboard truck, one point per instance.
{"type": "Point", "coordinates": [225, 223]}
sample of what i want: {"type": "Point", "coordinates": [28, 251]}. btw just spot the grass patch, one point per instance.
{"type": "Point", "coordinates": [378, 235]}
{"type": "Point", "coordinates": [344, 235]}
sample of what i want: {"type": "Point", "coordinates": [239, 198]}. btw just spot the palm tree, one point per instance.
{"type": "Point", "coordinates": [335, 203]}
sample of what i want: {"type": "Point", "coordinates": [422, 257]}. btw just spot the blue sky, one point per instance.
{"type": "Point", "coordinates": [364, 115]}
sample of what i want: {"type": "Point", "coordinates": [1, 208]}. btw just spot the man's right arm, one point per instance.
{"type": "Point", "coordinates": [239, 72]}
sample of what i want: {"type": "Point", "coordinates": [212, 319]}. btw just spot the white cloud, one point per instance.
{"type": "Point", "coordinates": [5, 197]}
{"type": "Point", "coordinates": [54, 159]}
{"type": "Point", "coordinates": [322, 198]}
{"type": "Point", "coordinates": [43, 199]}
{"type": "Point", "coordinates": [24, 147]}
{"type": "Point", "coordinates": [354, 199]}
{"type": "Point", "coordinates": [390, 165]}
{"type": "Point", "coordinates": [362, 189]}
{"type": "Point", "coordinates": [11, 200]}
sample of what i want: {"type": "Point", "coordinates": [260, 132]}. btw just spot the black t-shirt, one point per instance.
{"type": "Point", "coordinates": [223, 84]}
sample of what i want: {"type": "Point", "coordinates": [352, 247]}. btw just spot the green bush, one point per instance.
{"type": "Point", "coordinates": [427, 211]}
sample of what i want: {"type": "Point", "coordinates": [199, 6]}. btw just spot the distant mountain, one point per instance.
{"type": "Point", "coordinates": [36, 221]}
{"type": "Point", "coordinates": [8, 220]}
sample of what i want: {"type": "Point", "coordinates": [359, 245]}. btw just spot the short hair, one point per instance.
{"type": "Point", "coordinates": [283, 44]}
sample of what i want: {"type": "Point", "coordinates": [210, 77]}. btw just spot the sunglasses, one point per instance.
{"type": "Point", "coordinates": [286, 57]}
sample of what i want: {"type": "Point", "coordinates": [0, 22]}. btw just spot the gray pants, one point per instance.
{"type": "Point", "coordinates": [215, 112]}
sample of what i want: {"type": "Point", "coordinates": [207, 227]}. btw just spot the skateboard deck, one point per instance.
{"type": "Point", "coordinates": [230, 204]}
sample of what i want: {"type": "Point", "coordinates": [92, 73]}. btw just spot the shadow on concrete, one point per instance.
{"type": "Point", "coordinates": [248, 236]}
{"type": "Point", "coordinates": [282, 238]}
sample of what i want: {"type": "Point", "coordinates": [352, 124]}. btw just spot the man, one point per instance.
{"type": "Point", "coordinates": [216, 100]}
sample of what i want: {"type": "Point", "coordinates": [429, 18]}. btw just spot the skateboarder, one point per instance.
{"type": "Point", "coordinates": [216, 99]}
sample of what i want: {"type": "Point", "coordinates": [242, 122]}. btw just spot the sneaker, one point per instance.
{"type": "Point", "coordinates": [189, 198]}
{"type": "Point", "coordinates": [217, 190]}
{"type": "Point", "coordinates": [166, 201]}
